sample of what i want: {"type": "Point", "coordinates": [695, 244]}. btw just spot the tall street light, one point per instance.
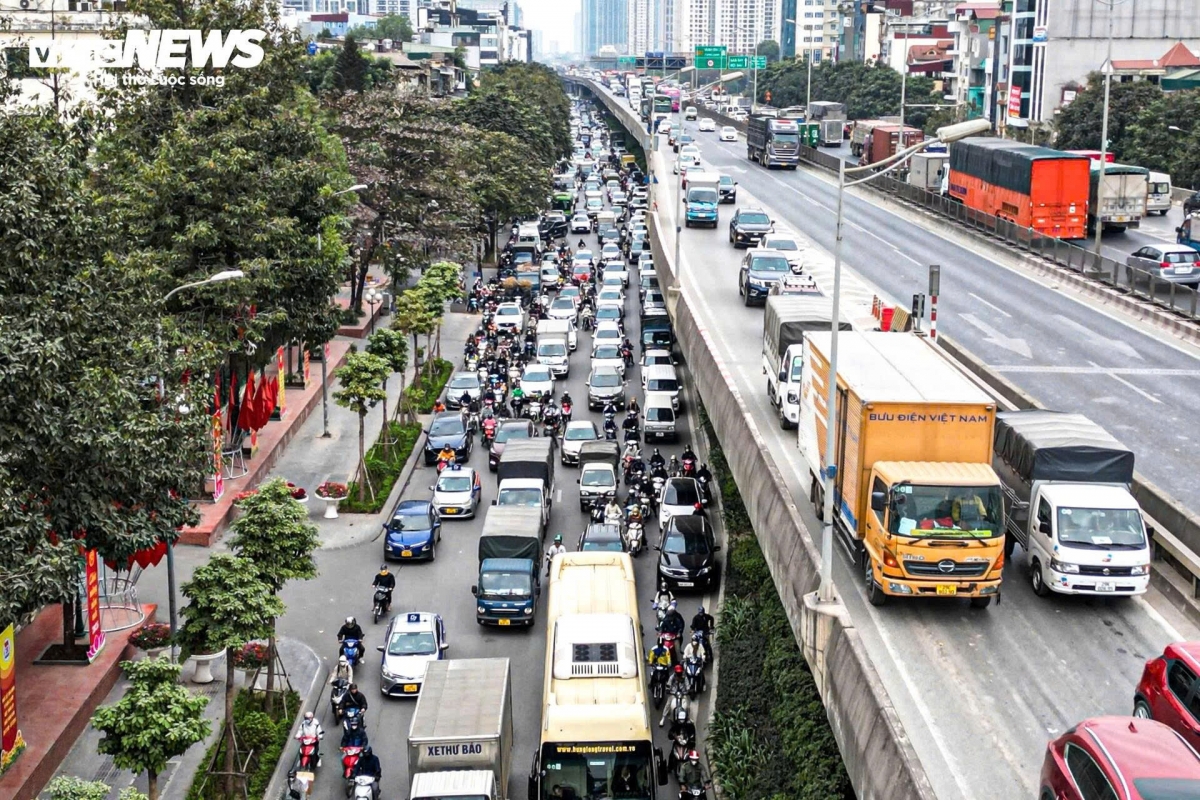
{"type": "Point", "coordinates": [946, 135]}
{"type": "Point", "coordinates": [220, 277]}
{"type": "Point", "coordinates": [679, 204]}
{"type": "Point", "coordinates": [358, 187]}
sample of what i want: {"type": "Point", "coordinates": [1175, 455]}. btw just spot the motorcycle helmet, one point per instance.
{"type": "Point", "coordinates": [700, 610]}
{"type": "Point", "coordinates": [679, 669]}
{"type": "Point", "coordinates": [383, 567]}
{"type": "Point", "coordinates": [343, 661]}
{"type": "Point", "coordinates": [350, 621]}
{"type": "Point", "coordinates": [662, 586]}
{"type": "Point", "coordinates": [308, 716]}
{"type": "Point", "coordinates": [558, 538]}
{"type": "Point", "coordinates": [367, 751]}
{"type": "Point", "coordinates": [693, 756]}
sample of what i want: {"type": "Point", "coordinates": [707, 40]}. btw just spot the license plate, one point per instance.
{"type": "Point", "coordinates": [1183, 270]}
{"type": "Point", "coordinates": [505, 622]}
{"type": "Point", "coordinates": [1105, 586]}
{"type": "Point", "coordinates": [406, 553]}
{"type": "Point", "coordinates": [410, 687]}
{"type": "Point", "coordinates": [450, 511]}
{"type": "Point", "coordinates": [686, 583]}
{"type": "Point", "coordinates": [947, 589]}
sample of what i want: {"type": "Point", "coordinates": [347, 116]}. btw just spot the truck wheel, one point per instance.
{"type": "Point", "coordinates": [1035, 578]}
{"type": "Point", "coordinates": [814, 497]}
{"type": "Point", "coordinates": [875, 595]}
{"type": "Point", "coordinates": [981, 602]}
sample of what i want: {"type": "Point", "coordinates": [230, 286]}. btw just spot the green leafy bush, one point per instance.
{"type": "Point", "coordinates": [266, 734]}
{"type": "Point", "coordinates": [769, 728]}
{"type": "Point", "coordinates": [425, 391]}
{"type": "Point", "coordinates": [383, 467]}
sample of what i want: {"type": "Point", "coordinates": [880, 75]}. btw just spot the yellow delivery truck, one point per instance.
{"type": "Point", "coordinates": [916, 500]}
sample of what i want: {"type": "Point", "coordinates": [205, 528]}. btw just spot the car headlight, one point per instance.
{"type": "Point", "coordinates": [793, 398]}
{"type": "Point", "coordinates": [1061, 566]}
{"type": "Point", "coordinates": [1139, 569]}
{"type": "Point", "coordinates": [481, 610]}
{"type": "Point", "coordinates": [704, 570]}
{"type": "Point", "coordinates": [528, 611]}
{"type": "Point", "coordinates": [388, 674]}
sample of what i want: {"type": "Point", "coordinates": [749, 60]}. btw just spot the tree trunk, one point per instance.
{"type": "Point", "coordinates": [362, 460]}
{"type": "Point", "coordinates": [269, 703]}
{"type": "Point", "coordinates": [384, 433]}
{"type": "Point", "coordinates": [151, 784]}
{"type": "Point", "coordinates": [230, 692]}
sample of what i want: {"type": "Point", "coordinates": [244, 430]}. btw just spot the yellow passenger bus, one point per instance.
{"type": "Point", "coordinates": [596, 739]}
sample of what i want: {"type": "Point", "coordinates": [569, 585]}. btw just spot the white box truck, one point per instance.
{"type": "Point", "coordinates": [785, 323]}
{"type": "Point", "coordinates": [1067, 501]}
{"type": "Point", "coordinates": [461, 736]}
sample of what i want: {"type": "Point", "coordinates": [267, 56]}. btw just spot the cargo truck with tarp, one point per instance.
{"type": "Point", "coordinates": [915, 499]}
{"type": "Point", "coordinates": [1068, 504]}
{"type": "Point", "coordinates": [788, 319]}
{"type": "Point", "coordinates": [1123, 202]}
{"type": "Point", "coordinates": [1033, 187]}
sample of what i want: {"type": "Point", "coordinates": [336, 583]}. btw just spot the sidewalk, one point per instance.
{"type": "Point", "coordinates": [83, 761]}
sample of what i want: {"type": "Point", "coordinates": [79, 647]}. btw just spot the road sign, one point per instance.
{"type": "Point", "coordinates": [711, 63]}
{"type": "Point", "coordinates": [736, 62]}
{"type": "Point", "coordinates": [706, 51]}
{"type": "Point", "coordinates": [626, 61]}
{"type": "Point", "coordinates": [758, 62]}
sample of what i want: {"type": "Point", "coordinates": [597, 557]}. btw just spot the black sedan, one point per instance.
{"type": "Point", "coordinates": [687, 551]}
{"type": "Point", "coordinates": [603, 537]}
{"type": "Point", "coordinates": [447, 428]}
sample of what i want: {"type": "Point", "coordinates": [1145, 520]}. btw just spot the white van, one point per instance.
{"type": "Point", "coordinates": [662, 379]}
{"type": "Point", "coordinates": [528, 233]}
{"type": "Point", "coordinates": [1158, 194]}
{"type": "Point", "coordinates": [658, 417]}
{"type": "Point", "coordinates": [560, 327]}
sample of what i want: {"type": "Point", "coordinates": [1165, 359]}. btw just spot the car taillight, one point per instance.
{"type": "Point", "coordinates": [1165, 265]}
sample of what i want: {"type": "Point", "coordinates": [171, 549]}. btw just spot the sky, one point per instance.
{"type": "Point", "coordinates": [555, 18]}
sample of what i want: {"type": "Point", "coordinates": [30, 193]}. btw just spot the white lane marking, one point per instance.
{"type": "Point", "coordinates": [1124, 382]}
{"type": "Point", "coordinates": [1153, 614]}
{"type": "Point", "coordinates": [1120, 346]}
{"type": "Point", "coordinates": [558, 494]}
{"type": "Point", "coordinates": [1018, 346]}
{"type": "Point", "coordinates": [992, 306]}
{"type": "Point", "coordinates": [1155, 371]}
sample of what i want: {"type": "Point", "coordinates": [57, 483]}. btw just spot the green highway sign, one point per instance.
{"type": "Point", "coordinates": [758, 62]}
{"type": "Point", "coordinates": [746, 62]}
{"type": "Point", "coordinates": [626, 60]}
{"type": "Point", "coordinates": [736, 62]}
{"type": "Point", "coordinates": [710, 51]}
{"type": "Point", "coordinates": [716, 62]}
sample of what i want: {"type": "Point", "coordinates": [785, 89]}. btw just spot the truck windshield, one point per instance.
{"type": "Point", "coordinates": [702, 196]}
{"type": "Point", "coordinates": [1102, 528]}
{"type": "Point", "coordinates": [505, 584]}
{"type": "Point", "coordinates": [786, 138]}
{"type": "Point", "coordinates": [552, 350]}
{"type": "Point", "coordinates": [596, 477]}
{"type": "Point", "coordinates": [966, 512]}
{"type": "Point", "coordinates": [519, 497]}
{"type": "Point", "coordinates": [596, 769]}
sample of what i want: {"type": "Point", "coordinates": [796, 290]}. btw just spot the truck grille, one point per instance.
{"type": "Point", "coordinates": [946, 568]}
{"type": "Point", "coordinates": [1105, 571]}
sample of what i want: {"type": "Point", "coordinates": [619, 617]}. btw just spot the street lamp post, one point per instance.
{"type": "Point", "coordinates": [220, 277]}
{"type": "Point", "coordinates": [950, 133]}
{"type": "Point", "coordinates": [373, 297]}
{"type": "Point", "coordinates": [358, 187]}
{"type": "Point", "coordinates": [1107, 69]}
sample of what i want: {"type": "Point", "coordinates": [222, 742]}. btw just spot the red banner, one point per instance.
{"type": "Point", "coordinates": [218, 458]}
{"type": "Point", "coordinates": [11, 742]}
{"type": "Point", "coordinates": [1014, 101]}
{"type": "Point", "coordinates": [92, 584]}
{"type": "Point", "coordinates": [281, 378]}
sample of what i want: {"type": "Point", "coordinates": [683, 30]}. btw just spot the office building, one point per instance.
{"type": "Point", "coordinates": [741, 24]}
{"type": "Point", "coordinates": [645, 21]}
{"type": "Point", "coordinates": [604, 23]}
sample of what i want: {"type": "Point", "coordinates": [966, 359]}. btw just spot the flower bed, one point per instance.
{"type": "Point", "coordinates": [252, 656]}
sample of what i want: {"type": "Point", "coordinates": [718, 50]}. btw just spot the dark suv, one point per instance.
{"type": "Point", "coordinates": [749, 226]}
{"type": "Point", "coordinates": [1191, 204]}
{"type": "Point", "coordinates": [687, 553]}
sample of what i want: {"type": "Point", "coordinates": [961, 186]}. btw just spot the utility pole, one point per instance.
{"type": "Point", "coordinates": [1108, 72]}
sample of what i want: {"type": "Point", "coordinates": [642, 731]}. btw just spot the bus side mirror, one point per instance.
{"type": "Point", "coordinates": [660, 767]}
{"type": "Point", "coordinates": [878, 501]}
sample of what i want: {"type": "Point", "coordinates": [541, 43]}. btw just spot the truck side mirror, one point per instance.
{"type": "Point", "coordinates": [878, 501]}
{"type": "Point", "coordinates": [1044, 527]}
{"type": "Point", "coordinates": [475, 590]}
{"type": "Point", "coordinates": [493, 502]}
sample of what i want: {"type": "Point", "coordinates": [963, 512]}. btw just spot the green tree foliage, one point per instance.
{"type": "Point", "coordinates": [392, 346]}
{"type": "Point", "coordinates": [228, 606]}
{"type": "Point", "coordinates": [350, 70]}
{"type": "Point", "coordinates": [508, 181]}
{"type": "Point", "coordinates": [1139, 120]}
{"type": "Point", "coordinates": [413, 317]}
{"type": "Point", "coordinates": [361, 387]}
{"type": "Point", "coordinates": [68, 787]}
{"type": "Point", "coordinates": [531, 104]}
{"type": "Point", "coordinates": [319, 72]}
{"type": "Point", "coordinates": [155, 721]}
{"type": "Point", "coordinates": [396, 27]}
{"type": "Point", "coordinates": [868, 90]}
{"type": "Point", "coordinates": [87, 451]}
{"type": "Point", "coordinates": [768, 48]}
{"type": "Point", "coordinates": [197, 179]}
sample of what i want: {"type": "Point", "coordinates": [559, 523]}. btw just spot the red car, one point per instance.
{"type": "Point", "coordinates": [1120, 758]}
{"type": "Point", "coordinates": [1168, 690]}
{"type": "Point", "coordinates": [581, 273]}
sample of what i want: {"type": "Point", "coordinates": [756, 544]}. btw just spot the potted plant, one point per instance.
{"type": "Point", "coordinates": [299, 494]}
{"type": "Point", "coordinates": [250, 657]}
{"type": "Point", "coordinates": [153, 638]}
{"type": "Point", "coordinates": [332, 493]}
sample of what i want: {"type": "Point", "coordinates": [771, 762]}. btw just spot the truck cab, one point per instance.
{"type": "Point", "coordinates": [524, 493]}
{"type": "Point", "coordinates": [507, 592]}
{"type": "Point", "coordinates": [702, 204]}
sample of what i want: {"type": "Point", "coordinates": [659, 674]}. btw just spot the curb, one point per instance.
{"type": "Point", "coordinates": [277, 787]}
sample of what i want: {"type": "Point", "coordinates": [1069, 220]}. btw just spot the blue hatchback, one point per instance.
{"type": "Point", "coordinates": [413, 532]}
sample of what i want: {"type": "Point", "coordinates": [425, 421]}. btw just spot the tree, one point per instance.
{"type": "Point", "coordinates": [350, 71]}
{"type": "Point", "coordinates": [868, 90]}
{"type": "Point", "coordinates": [361, 378]}
{"type": "Point", "coordinates": [228, 606]}
{"type": "Point", "coordinates": [396, 27]}
{"type": "Point", "coordinates": [413, 317]}
{"type": "Point", "coordinates": [442, 283]}
{"type": "Point", "coordinates": [1079, 124]}
{"type": "Point", "coordinates": [768, 48]}
{"type": "Point", "coordinates": [509, 180]}
{"type": "Point", "coordinates": [392, 347]}
{"type": "Point", "coordinates": [319, 72]}
{"type": "Point", "coordinates": [274, 534]}
{"type": "Point", "coordinates": [155, 721]}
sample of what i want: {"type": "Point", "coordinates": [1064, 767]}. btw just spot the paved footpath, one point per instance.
{"type": "Point", "coordinates": [308, 460]}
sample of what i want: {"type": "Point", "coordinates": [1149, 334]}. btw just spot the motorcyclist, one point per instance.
{"type": "Point", "coordinates": [342, 671]}
{"type": "Point", "coordinates": [681, 728]}
{"type": "Point", "coordinates": [659, 655]}
{"type": "Point", "coordinates": [664, 598]}
{"type": "Point", "coordinates": [310, 726]}
{"type": "Point", "coordinates": [695, 650]}
{"type": "Point", "coordinates": [672, 620]}
{"type": "Point", "coordinates": [518, 399]}
{"type": "Point", "coordinates": [634, 406]}
{"type": "Point", "coordinates": [676, 683]}
{"type": "Point", "coordinates": [613, 513]}
{"type": "Point", "coordinates": [673, 468]}
{"type": "Point", "coordinates": [582, 245]}
{"type": "Point", "coordinates": [567, 405]}
{"type": "Point", "coordinates": [464, 400]}
{"type": "Point", "coordinates": [687, 454]}
{"type": "Point", "coordinates": [352, 630]}
{"type": "Point", "coordinates": [446, 454]}
{"type": "Point", "coordinates": [630, 423]}
{"type": "Point", "coordinates": [368, 764]}
{"type": "Point", "coordinates": [704, 624]}
{"type": "Point", "coordinates": [355, 698]}
{"type": "Point", "coordinates": [386, 581]}
{"type": "Point", "coordinates": [690, 774]}
{"type": "Point", "coordinates": [656, 459]}
{"type": "Point", "coordinates": [439, 406]}
{"type": "Point", "coordinates": [610, 428]}
{"type": "Point", "coordinates": [704, 476]}
{"type": "Point", "coordinates": [553, 550]}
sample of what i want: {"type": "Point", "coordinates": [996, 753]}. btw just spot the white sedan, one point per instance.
{"type": "Point", "coordinates": [608, 355]}
{"type": "Point", "coordinates": [608, 332]}
{"type": "Point", "coordinates": [581, 224]}
{"type": "Point", "coordinates": [616, 269]}
{"type": "Point", "coordinates": [537, 379]}
{"type": "Point", "coordinates": [708, 125]}
{"type": "Point", "coordinates": [686, 161]}
{"type": "Point", "coordinates": [728, 134]}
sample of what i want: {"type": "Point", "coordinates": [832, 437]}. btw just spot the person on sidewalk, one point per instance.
{"type": "Point", "coordinates": [311, 727]}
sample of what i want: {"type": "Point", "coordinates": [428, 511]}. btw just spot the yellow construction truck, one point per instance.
{"type": "Point", "coordinates": [916, 501]}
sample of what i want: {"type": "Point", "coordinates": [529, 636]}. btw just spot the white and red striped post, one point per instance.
{"type": "Point", "coordinates": [935, 281]}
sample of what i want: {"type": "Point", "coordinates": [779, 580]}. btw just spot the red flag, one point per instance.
{"type": "Point", "coordinates": [246, 412]}
{"type": "Point", "coordinates": [264, 402]}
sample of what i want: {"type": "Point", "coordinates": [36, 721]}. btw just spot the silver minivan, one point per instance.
{"type": "Point", "coordinates": [1158, 194]}
{"type": "Point", "coordinates": [658, 418]}
{"type": "Point", "coordinates": [662, 378]}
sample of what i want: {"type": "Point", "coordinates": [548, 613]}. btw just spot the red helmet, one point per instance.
{"type": "Point", "coordinates": [679, 667]}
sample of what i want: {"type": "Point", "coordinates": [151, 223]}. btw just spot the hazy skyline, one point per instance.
{"type": "Point", "coordinates": [554, 18]}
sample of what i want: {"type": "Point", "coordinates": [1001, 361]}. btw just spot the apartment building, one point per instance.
{"type": "Point", "coordinates": [741, 24]}
{"type": "Point", "coordinates": [644, 25]}
{"type": "Point", "coordinates": [604, 23]}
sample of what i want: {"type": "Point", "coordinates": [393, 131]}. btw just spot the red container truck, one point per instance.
{"type": "Point", "coordinates": [883, 142]}
{"type": "Point", "coordinates": [1034, 187]}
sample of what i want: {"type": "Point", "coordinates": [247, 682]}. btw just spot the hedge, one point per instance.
{"type": "Point", "coordinates": [770, 738]}
{"type": "Point", "coordinates": [267, 735]}
{"type": "Point", "coordinates": [383, 468]}
{"type": "Point", "coordinates": [427, 388]}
